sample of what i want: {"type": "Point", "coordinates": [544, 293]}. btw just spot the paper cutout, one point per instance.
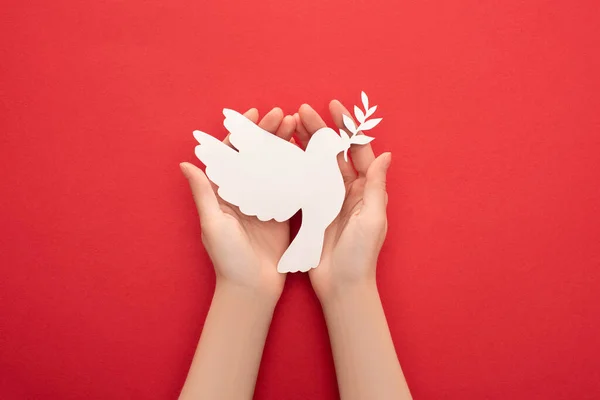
{"type": "Point", "coordinates": [270, 178]}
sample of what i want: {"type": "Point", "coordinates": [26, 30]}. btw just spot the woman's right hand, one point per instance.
{"type": "Point", "coordinates": [354, 239]}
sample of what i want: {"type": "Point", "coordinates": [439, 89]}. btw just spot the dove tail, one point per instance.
{"type": "Point", "coordinates": [305, 250]}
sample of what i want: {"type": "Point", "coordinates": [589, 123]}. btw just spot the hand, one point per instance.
{"type": "Point", "coordinates": [243, 249]}
{"type": "Point", "coordinates": [354, 239]}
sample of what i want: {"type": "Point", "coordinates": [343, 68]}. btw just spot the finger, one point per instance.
{"type": "Point", "coordinates": [272, 120]}
{"type": "Point", "coordinates": [312, 122]}
{"type": "Point", "coordinates": [204, 195]}
{"type": "Point", "coordinates": [301, 132]}
{"type": "Point", "coordinates": [375, 194]}
{"type": "Point", "coordinates": [252, 115]}
{"type": "Point", "coordinates": [286, 128]}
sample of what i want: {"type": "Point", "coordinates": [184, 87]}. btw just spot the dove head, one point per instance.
{"type": "Point", "coordinates": [327, 142]}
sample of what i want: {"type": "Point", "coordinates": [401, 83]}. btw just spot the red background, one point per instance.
{"type": "Point", "coordinates": [491, 270]}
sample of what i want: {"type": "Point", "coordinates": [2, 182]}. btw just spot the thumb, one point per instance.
{"type": "Point", "coordinates": [375, 195]}
{"type": "Point", "coordinates": [202, 191]}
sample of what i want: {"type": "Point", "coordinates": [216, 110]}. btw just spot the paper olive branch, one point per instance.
{"type": "Point", "coordinates": [365, 125]}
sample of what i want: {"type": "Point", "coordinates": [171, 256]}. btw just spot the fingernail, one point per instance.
{"type": "Point", "coordinates": [276, 110]}
{"type": "Point", "coordinates": [388, 160]}
{"type": "Point", "coordinates": [184, 169]}
{"type": "Point", "coordinates": [305, 107]}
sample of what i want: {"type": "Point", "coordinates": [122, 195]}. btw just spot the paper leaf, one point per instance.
{"type": "Point", "coordinates": [349, 124]}
{"type": "Point", "coordinates": [365, 100]}
{"type": "Point", "coordinates": [370, 111]}
{"type": "Point", "coordinates": [361, 139]}
{"type": "Point", "coordinates": [370, 124]}
{"type": "Point", "coordinates": [360, 116]}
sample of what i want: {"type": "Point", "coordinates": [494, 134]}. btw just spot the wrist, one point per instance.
{"type": "Point", "coordinates": [346, 295]}
{"type": "Point", "coordinates": [256, 297]}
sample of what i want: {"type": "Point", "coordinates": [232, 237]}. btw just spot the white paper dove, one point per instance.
{"type": "Point", "coordinates": [270, 178]}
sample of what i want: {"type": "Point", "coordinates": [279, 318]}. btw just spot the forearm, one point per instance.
{"type": "Point", "coordinates": [365, 359]}
{"type": "Point", "coordinates": [228, 356]}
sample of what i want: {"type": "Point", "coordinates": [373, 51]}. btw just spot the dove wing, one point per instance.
{"type": "Point", "coordinates": [246, 136]}
{"type": "Point", "coordinates": [265, 177]}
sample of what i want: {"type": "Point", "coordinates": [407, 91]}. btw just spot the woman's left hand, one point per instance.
{"type": "Point", "coordinates": [243, 249]}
